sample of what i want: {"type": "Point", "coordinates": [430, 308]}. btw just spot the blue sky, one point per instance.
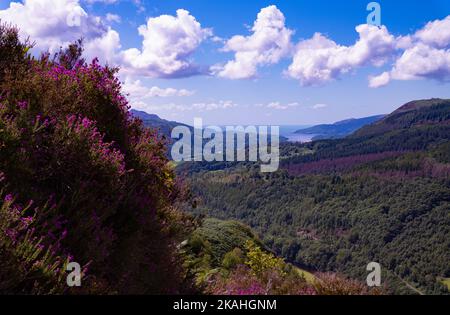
{"type": "Point", "coordinates": [274, 89]}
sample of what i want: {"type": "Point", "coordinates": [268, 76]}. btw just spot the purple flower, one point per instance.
{"type": "Point", "coordinates": [8, 198]}
{"type": "Point", "coordinates": [22, 104]}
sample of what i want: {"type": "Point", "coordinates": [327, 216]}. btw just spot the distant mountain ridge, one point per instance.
{"type": "Point", "coordinates": [415, 126]}
{"type": "Point", "coordinates": [339, 129]}
{"type": "Point", "coordinates": [165, 126]}
{"type": "Point", "coordinates": [154, 121]}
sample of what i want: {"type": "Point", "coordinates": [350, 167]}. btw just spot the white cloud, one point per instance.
{"type": "Point", "coordinates": [213, 106]}
{"type": "Point", "coordinates": [436, 33]}
{"type": "Point", "coordinates": [150, 108]}
{"type": "Point", "coordinates": [269, 42]}
{"type": "Point", "coordinates": [280, 106]}
{"type": "Point", "coordinates": [168, 43]}
{"type": "Point", "coordinates": [199, 107]}
{"type": "Point", "coordinates": [140, 6]}
{"type": "Point", "coordinates": [319, 106]}
{"type": "Point", "coordinates": [277, 105]}
{"type": "Point", "coordinates": [319, 60]}
{"type": "Point", "coordinates": [113, 18]}
{"type": "Point", "coordinates": [105, 47]}
{"type": "Point", "coordinates": [53, 23]}
{"type": "Point", "coordinates": [426, 55]}
{"type": "Point", "coordinates": [380, 80]}
{"type": "Point", "coordinates": [422, 61]}
{"type": "Point", "coordinates": [138, 92]}
{"type": "Point", "coordinates": [217, 39]}
{"type": "Point", "coordinates": [102, 1]}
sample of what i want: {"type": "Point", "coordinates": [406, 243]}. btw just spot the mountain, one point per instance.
{"type": "Point", "coordinates": [411, 115]}
{"type": "Point", "coordinates": [415, 126]}
{"type": "Point", "coordinates": [166, 126]}
{"type": "Point", "coordinates": [339, 129]}
{"type": "Point", "coordinates": [154, 121]}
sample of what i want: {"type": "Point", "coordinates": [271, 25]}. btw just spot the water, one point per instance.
{"type": "Point", "coordinates": [298, 137]}
{"type": "Point", "coordinates": [289, 133]}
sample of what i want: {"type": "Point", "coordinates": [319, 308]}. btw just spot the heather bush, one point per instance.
{"type": "Point", "coordinates": [240, 282]}
{"type": "Point", "coordinates": [27, 265]}
{"type": "Point", "coordinates": [101, 187]}
{"type": "Point", "coordinates": [264, 274]}
{"type": "Point", "coordinates": [332, 284]}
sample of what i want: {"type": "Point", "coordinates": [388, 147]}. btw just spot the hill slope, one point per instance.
{"type": "Point", "coordinates": [413, 114]}
{"type": "Point", "coordinates": [339, 129]}
{"type": "Point", "coordinates": [418, 125]}
{"type": "Point", "coordinates": [154, 121]}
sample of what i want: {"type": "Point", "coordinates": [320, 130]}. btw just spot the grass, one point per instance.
{"type": "Point", "coordinates": [309, 277]}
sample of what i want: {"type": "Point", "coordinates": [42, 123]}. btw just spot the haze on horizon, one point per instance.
{"type": "Point", "coordinates": [274, 62]}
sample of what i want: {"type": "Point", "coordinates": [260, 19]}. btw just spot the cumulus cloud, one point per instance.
{"type": "Point", "coordinates": [53, 23]}
{"type": "Point", "coordinates": [280, 106]}
{"type": "Point", "coordinates": [269, 42]}
{"type": "Point", "coordinates": [426, 55]}
{"type": "Point", "coordinates": [212, 106]}
{"type": "Point", "coordinates": [319, 106]}
{"type": "Point", "coordinates": [146, 107]}
{"type": "Point", "coordinates": [418, 62]}
{"type": "Point", "coordinates": [200, 107]}
{"type": "Point", "coordinates": [436, 33]}
{"type": "Point", "coordinates": [167, 47]}
{"type": "Point", "coordinates": [102, 1]}
{"type": "Point", "coordinates": [168, 43]}
{"type": "Point", "coordinates": [113, 18]}
{"type": "Point", "coordinates": [138, 91]}
{"type": "Point", "coordinates": [380, 80]}
{"type": "Point", "coordinates": [319, 60]}
{"type": "Point", "coordinates": [140, 6]}
{"type": "Point", "coordinates": [422, 61]}
{"type": "Point", "coordinates": [105, 47]}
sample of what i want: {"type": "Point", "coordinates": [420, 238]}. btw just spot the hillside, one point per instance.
{"type": "Point", "coordinates": [413, 114]}
{"type": "Point", "coordinates": [81, 181]}
{"type": "Point", "coordinates": [154, 121]}
{"type": "Point", "coordinates": [420, 128]}
{"type": "Point", "coordinates": [226, 257]}
{"type": "Point", "coordinates": [380, 195]}
{"type": "Point", "coordinates": [339, 129]}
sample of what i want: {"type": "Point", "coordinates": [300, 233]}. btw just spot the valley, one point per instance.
{"type": "Point", "coordinates": [381, 194]}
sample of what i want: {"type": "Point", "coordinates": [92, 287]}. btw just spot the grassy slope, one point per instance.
{"type": "Point", "coordinates": [208, 244]}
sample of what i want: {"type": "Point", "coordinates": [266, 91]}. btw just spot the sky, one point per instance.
{"type": "Point", "coordinates": [286, 62]}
